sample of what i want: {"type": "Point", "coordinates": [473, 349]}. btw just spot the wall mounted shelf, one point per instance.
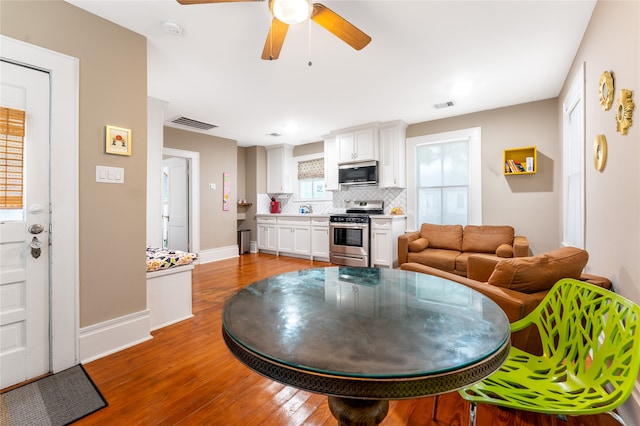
{"type": "Point", "coordinates": [520, 161]}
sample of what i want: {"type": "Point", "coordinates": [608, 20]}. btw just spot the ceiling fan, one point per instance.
{"type": "Point", "coordinates": [290, 12]}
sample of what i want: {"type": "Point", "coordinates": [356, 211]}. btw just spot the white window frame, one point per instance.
{"type": "Point", "coordinates": [328, 194]}
{"type": "Point", "coordinates": [473, 135]}
{"type": "Point", "coordinates": [573, 103]}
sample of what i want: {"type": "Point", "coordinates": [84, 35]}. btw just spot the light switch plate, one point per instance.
{"type": "Point", "coordinates": [105, 174]}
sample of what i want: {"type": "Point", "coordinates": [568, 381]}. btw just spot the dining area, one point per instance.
{"type": "Point", "coordinates": [187, 375]}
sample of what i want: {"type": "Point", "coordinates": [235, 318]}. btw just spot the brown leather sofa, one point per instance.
{"type": "Point", "coordinates": [448, 247]}
{"type": "Point", "coordinates": [519, 284]}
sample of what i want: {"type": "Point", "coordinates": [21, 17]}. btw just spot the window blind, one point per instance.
{"type": "Point", "coordinates": [311, 169]}
{"type": "Point", "coordinates": [12, 123]}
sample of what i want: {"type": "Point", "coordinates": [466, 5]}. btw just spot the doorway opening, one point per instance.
{"type": "Point", "coordinates": [180, 199]}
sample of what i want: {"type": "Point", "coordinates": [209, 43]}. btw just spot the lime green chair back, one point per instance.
{"type": "Point", "coordinates": [590, 361]}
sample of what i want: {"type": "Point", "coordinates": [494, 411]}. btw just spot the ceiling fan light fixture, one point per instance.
{"type": "Point", "coordinates": [291, 11]}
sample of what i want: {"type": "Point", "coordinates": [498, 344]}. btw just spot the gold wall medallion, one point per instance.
{"type": "Point", "coordinates": [624, 112]}
{"type": "Point", "coordinates": [605, 90]}
{"type": "Point", "coordinates": [599, 152]}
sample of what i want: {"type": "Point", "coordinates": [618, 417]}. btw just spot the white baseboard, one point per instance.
{"type": "Point", "coordinates": [220, 253]}
{"type": "Point", "coordinates": [106, 338]}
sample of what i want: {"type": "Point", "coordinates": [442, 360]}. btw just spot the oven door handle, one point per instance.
{"type": "Point", "coordinates": [349, 226]}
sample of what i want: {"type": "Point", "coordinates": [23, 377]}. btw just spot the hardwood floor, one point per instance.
{"type": "Point", "coordinates": [186, 376]}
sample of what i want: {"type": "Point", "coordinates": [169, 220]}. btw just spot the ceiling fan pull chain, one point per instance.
{"type": "Point", "coordinates": [309, 26]}
{"type": "Point", "coordinates": [271, 42]}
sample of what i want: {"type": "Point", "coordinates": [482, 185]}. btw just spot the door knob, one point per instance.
{"type": "Point", "coordinates": [36, 249]}
{"type": "Point", "coordinates": [36, 228]}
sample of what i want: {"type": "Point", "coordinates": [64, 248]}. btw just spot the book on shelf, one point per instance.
{"type": "Point", "coordinates": [512, 166]}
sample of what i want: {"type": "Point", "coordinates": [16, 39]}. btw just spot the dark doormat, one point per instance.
{"type": "Point", "coordinates": [59, 399]}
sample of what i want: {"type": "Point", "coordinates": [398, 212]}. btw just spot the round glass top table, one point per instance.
{"type": "Point", "coordinates": [363, 336]}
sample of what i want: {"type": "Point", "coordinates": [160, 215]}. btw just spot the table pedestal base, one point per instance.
{"type": "Point", "coordinates": [358, 412]}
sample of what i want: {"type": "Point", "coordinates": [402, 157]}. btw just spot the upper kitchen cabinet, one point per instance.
{"type": "Point", "coordinates": [331, 164]}
{"type": "Point", "coordinates": [279, 169]}
{"type": "Point", "coordinates": [392, 155]}
{"type": "Point", "coordinates": [358, 144]}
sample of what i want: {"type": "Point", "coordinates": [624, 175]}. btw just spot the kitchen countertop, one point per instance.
{"type": "Point", "coordinates": [326, 215]}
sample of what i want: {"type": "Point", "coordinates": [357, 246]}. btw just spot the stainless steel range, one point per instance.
{"type": "Point", "coordinates": [349, 241]}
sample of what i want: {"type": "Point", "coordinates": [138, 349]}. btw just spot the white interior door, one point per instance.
{"type": "Point", "coordinates": [24, 279]}
{"type": "Point", "coordinates": [177, 203]}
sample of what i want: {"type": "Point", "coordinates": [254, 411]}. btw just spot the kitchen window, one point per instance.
{"type": "Point", "coordinates": [310, 176]}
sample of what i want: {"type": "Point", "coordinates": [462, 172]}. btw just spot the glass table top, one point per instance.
{"type": "Point", "coordinates": [366, 322]}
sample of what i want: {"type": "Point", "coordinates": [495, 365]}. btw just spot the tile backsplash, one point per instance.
{"type": "Point", "coordinates": [394, 197]}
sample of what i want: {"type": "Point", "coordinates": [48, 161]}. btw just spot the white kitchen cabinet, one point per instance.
{"type": "Point", "coordinates": [294, 235]}
{"type": "Point", "coordinates": [331, 164]}
{"type": "Point", "coordinates": [320, 238]}
{"type": "Point", "coordinates": [384, 240]}
{"type": "Point", "coordinates": [359, 144]}
{"type": "Point", "coordinates": [392, 168]}
{"type": "Point", "coordinates": [280, 169]}
{"type": "Point", "coordinates": [267, 233]}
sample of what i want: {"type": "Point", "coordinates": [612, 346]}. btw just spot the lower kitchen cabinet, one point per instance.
{"type": "Point", "coordinates": [294, 236]}
{"type": "Point", "coordinates": [320, 238]}
{"type": "Point", "coordinates": [267, 234]}
{"type": "Point", "coordinates": [384, 241]}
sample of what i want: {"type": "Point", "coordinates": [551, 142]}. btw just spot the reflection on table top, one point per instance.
{"type": "Point", "coordinates": [365, 323]}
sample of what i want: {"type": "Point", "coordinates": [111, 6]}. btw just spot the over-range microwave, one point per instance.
{"type": "Point", "coordinates": [364, 173]}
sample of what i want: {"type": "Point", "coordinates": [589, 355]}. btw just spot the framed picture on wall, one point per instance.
{"type": "Point", "coordinates": [117, 140]}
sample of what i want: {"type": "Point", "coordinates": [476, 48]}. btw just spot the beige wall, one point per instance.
{"type": "Point", "coordinates": [217, 156]}
{"type": "Point", "coordinates": [529, 203]}
{"type": "Point", "coordinates": [255, 177]}
{"type": "Point", "coordinates": [308, 149]}
{"type": "Point", "coordinates": [612, 42]}
{"type": "Point", "coordinates": [241, 172]}
{"type": "Point", "coordinates": [113, 90]}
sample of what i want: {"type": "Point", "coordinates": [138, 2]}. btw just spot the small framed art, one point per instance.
{"type": "Point", "coordinates": [117, 140]}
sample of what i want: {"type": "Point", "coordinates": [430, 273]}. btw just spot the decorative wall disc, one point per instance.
{"type": "Point", "coordinates": [605, 90]}
{"type": "Point", "coordinates": [599, 152]}
{"type": "Point", "coordinates": [624, 112]}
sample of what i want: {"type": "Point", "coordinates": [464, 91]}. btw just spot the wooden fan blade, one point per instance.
{"type": "Point", "coordinates": [339, 26]}
{"type": "Point", "coordinates": [185, 2]}
{"type": "Point", "coordinates": [275, 39]}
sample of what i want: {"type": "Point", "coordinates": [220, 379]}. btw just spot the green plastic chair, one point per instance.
{"type": "Point", "coordinates": [591, 356]}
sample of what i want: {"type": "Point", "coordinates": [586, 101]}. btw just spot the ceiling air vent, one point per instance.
{"type": "Point", "coordinates": [443, 105]}
{"type": "Point", "coordinates": [194, 124]}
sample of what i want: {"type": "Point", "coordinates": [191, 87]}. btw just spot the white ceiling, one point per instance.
{"type": "Point", "coordinates": [511, 52]}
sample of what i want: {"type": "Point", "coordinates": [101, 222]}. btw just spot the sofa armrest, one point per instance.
{"type": "Point", "coordinates": [520, 246]}
{"type": "Point", "coordinates": [403, 245]}
{"type": "Point", "coordinates": [596, 280]}
{"type": "Point", "coordinates": [480, 267]}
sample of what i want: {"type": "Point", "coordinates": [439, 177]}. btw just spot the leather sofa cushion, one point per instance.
{"type": "Point", "coordinates": [539, 273]}
{"type": "Point", "coordinates": [444, 260]}
{"type": "Point", "coordinates": [448, 237]}
{"type": "Point", "coordinates": [418, 245]}
{"type": "Point", "coordinates": [486, 239]}
{"type": "Point", "coordinates": [504, 250]}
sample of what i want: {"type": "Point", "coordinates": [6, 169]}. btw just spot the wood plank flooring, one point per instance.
{"type": "Point", "coordinates": [185, 375]}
